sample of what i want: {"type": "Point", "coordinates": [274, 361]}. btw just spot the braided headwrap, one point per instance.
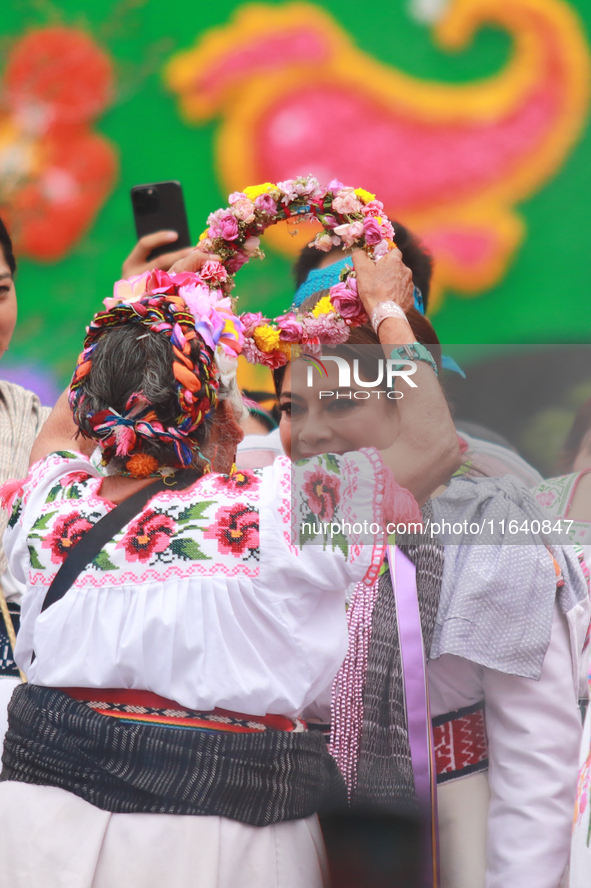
{"type": "Point", "coordinates": [181, 307]}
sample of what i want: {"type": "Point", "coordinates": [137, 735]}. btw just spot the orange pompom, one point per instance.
{"type": "Point", "coordinates": [141, 465]}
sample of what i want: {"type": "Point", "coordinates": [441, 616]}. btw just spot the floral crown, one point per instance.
{"type": "Point", "coordinates": [349, 217]}
{"type": "Point", "coordinates": [186, 305]}
{"type": "Point", "coordinates": [182, 307]}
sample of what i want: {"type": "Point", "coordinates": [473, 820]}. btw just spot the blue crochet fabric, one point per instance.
{"type": "Point", "coordinates": [320, 279]}
{"type": "Point", "coordinates": [324, 278]}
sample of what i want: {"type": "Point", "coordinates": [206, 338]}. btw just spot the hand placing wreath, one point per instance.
{"type": "Point", "coordinates": [350, 217]}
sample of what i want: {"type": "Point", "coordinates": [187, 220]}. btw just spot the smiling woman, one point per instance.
{"type": "Point", "coordinates": [21, 418]}
{"type": "Point", "coordinates": [319, 415]}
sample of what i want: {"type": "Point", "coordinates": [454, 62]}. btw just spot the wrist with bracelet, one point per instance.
{"type": "Point", "coordinates": [384, 310]}
{"type": "Point", "coordinates": [414, 352]}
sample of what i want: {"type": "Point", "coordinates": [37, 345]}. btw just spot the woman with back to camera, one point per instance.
{"type": "Point", "coordinates": [505, 803]}
{"type": "Point", "coordinates": [179, 621]}
{"type": "Point", "coordinates": [21, 419]}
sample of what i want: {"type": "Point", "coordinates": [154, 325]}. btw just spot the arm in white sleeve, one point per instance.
{"type": "Point", "coordinates": [534, 732]}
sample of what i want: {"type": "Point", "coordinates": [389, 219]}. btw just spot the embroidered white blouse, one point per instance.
{"type": "Point", "coordinates": [203, 598]}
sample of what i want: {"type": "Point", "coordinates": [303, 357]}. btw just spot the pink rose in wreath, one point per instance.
{"type": "Point", "coordinates": [147, 536]}
{"type": "Point", "coordinates": [67, 531]}
{"type": "Point", "coordinates": [324, 493]}
{"type": "Point", "coordinates": [373, 232]}
{"type": "Point", "coordinates": [236, 528]}
{"type": "Point", "coordinates": [346, 301]}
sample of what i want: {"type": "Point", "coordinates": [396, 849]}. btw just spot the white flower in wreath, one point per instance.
{"type": "Point", "coordinates": [227, 366]}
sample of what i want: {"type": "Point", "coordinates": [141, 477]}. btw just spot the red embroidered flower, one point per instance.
{"type": "Point", "coordinates": [10, 491]}
{"type": "Point", "coordinates": [67, 531]}
{"type": "Point", "coordinates": [236, 528]}
{"type": "Point", "coordinates": [324, 493]}
{"type": "Point", "coordinates": [73, 478]}
{"type": "Point", "coordinates": [147, 536]}
{"type": "Point", "coordinates": [241, 479]}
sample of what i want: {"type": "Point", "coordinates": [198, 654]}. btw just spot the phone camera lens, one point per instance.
{"type": "Point", "coordinates": [145, 201]}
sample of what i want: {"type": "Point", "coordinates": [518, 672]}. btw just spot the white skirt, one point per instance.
{"type": "Point", "coordinates": [50, 838]}
{"type": "Point", "coordinates": [463, 827]}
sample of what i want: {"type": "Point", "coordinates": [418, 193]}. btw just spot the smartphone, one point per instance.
{"type": "Point", "coordinates": [157, 207]}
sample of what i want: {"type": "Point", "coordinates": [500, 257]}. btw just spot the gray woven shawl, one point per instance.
{"type": "Point", "coordinates": [384, 774]}
{"type": "Point", "coordinates": [499, 590]}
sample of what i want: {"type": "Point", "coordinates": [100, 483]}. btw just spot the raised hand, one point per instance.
{"type": "Point", "coordinates": [137, 262]}
{"type": "Point", "coordinates": [388, 280]}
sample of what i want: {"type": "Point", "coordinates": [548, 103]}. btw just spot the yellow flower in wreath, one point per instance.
{"type": "Point", "coordinates": [253, 191]}
{"type": "Point", "coordinates": [323, 306]}
{"type": "Point", "coordinates": [266, 338]}
{"type": "Point", "coordinates": [364, 195]}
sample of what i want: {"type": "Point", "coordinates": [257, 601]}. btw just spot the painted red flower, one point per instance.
{"type": "Point", "coordinates": [67, 531]}
{"type": "Point", "coordinates": [56, 82]}
{"type": "Point", "coordinates": [236, 528]}
{"type": "Point", "coordinates": [147, 535]}
{"type": "Point", "coordinates": [324, 493]}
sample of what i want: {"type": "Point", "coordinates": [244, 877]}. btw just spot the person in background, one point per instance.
{"type": "Point", "coordinates": [21, 419]}
{"type": "Point", "coordinates": [414, 256]}
{"type": "Point", "coordinates": [261, 444]}
{"type": "Point", "coordinates": [567, 498]}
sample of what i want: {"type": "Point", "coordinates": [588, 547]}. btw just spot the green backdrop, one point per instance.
{"type": "Point", "coordinates": [545, 297]}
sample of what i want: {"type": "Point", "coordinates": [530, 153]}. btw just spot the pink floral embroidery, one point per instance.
{"type": "Point", "coordinates": [584, 783]}
{"type": "Point", "coordinates": [239, 480]}
{"type": "Point", "coordinates": [546, 499]}
{"type": "Point", "coordinates": [149, 534]}
{"type": "Point", "coordinates": [323, 492]}
{"type": "Point", "coordinates": [68, 530]}
{"type": "Point", "coordinates": [73, 478]}
{"type": "Point", "coordinates": [10, 491]}
{"type": "Point", "coordinates": [236, 528]}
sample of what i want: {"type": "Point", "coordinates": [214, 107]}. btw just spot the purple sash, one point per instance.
{"type": "Point", "coordinates": [414, 678]}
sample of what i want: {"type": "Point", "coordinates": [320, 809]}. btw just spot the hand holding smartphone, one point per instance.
{"type": "Point", "coordinates": [160, 206]}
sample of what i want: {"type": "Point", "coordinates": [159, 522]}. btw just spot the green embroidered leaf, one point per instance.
{"type": "Point", "coordinates": [188, 549]}
{"type": "Point", "coordinates": [309, 529]}
{"type": "Point", "coordinates": [332, 463]}
{"type": "Point", "coordinates": [15, 514]}
{"type": "Point", "coordinates": [41, 523]}
{"type": "Point", "coordinates": [194, 512]}
{"type": "Point", "coordinates": [73, 492]}
{"type": "Point", "coordinates": [66, 454]}
{"type": "Point", "coordinates": [34, 560]}
{"type": "Point", "coordinates": [303, 462]}
{"type": "Point", "coordinates": [52, 495]}
{"type": "Point", "coordinates": [340, 541]}
{"type": "Point", "coordinates": [103, 562]}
